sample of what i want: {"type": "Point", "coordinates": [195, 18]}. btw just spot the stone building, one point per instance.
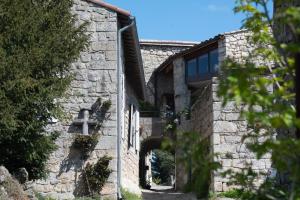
{"type": "Point", "coordinates": [192, 81]}
{"type": "Point", "coordinates": [110, 69]}
{"type": "Point", "coordinates": [154, 53]}
{"type": "Point", "coordinates": [119, 68]}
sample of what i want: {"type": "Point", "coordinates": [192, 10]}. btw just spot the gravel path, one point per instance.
{"type": "Point", "coordinates": [165, 193]}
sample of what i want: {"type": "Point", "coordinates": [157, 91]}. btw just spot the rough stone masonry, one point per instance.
{"type": "Point", "coordinates": [95, 77]}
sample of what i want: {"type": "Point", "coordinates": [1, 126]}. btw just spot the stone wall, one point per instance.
{"type": "Point", "coordinates": [154, 53]}
{"type": "Point", "coordinates": [182, 100]}
{"type": "Point", "coordinates": [165, 86]}
{"type": "Point", "coordinates": [95, 77]}
{"type": "Point", "coordinates": [228, 126]}
{"type": "Point", "coordinates": [202, 123]}
{"type": "Point", "coordinates": [130, 154]}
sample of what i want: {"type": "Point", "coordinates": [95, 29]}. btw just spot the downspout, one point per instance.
{"type": "Point", "coordinates": [120, 72]}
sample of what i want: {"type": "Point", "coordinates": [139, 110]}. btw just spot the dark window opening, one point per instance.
{"type": "Point", "coordinates": [192, 67]}
{"type": "Point", "coordinates": [203, 64]}
{"type": "Point", "coordinates": [214, 61]}
{"type": "Point", "coordinates": [202, 67]}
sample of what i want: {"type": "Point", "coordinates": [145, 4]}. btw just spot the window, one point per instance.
{"type": "Point", "coordinates": [214, 61]}
{"type": "Point", "coordinates": [192, 67]}
{"type": "Point", "coordinates": [134, 128]}
{"type": "Point", "coordinates": [203, 66]}
{"type": "Point", "coordinates": [131, 125]}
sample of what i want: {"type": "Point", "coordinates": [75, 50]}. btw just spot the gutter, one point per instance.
{"type": "Point", "coordinates": [120, 72]}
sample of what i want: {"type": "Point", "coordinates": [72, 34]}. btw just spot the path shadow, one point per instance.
{"type": "Point", "coordinates": [166, 193]}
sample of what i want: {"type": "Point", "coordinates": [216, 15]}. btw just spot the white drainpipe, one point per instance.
{"type": "Point", "coordinates": [120, 88]}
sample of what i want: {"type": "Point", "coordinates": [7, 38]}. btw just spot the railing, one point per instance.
{"type": "Point", "coordinates": [153, 113]}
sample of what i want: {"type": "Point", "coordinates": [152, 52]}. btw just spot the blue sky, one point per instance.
{"type": "Point", "coordinates": [192, 20]}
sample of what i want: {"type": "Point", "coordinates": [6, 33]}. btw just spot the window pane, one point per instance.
{"type": "Point", "coordinates": [192, 68]}
{"type": "Point", "coordinates": [214, 61]}
{"type": "Point", "coordinates": [203, 64]}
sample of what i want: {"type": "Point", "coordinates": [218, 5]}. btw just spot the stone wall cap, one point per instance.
{"type": "Point", "coordinates": [235, 32]}
{"type": "Point", "coordinates": [175, 43]}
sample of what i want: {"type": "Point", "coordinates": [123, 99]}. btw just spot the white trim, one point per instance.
{"type": "Point", "coordinates": [137, 131]}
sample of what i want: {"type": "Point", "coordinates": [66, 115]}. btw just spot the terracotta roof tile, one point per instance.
{"type": "Point", "coordinates": [111, 7]}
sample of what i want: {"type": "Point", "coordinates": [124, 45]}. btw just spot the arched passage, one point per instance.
{"type": "Point", "coordinates": [147, 146]}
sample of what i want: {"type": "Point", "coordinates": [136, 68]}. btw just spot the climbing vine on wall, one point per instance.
{"type": "Point", "coordinates": [95, 176]}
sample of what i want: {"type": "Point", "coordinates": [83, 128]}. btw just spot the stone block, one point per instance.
{"type": "Point", "coordinates": [233, 139]}
{"type": "Point", "coordinates": [85, 57]}
{"type": "Point", "coordinates": [218, 187]}
{"type": "Point", "coordinates": [91, 27]}
{"type": "Point", "coordinates": [111, 36]}
{"type": "Point", "coordinates": [85, 16]}
{"type": "Point", "coordinates": [224, 127]}
{"type": "Point", "coordinates": [236, 163]}
{"type": "Point", "coordinates": [216, 138]}
{"type": "Point", "coordinates": [98, 17]}
{"type": "Point", "coordinates": [111, 55]}
{"type": "Point", "coordinates": [258, 164]}
{"type": "Point", "coordinates": [218, 115]}
{"type": "Point", "coordinates": [99, 46]}
{"type": "Point", "coordinates": [99, 56]}
{"type": "Point", "coordinates": [93, 77]}
{"type": "Point", "coordinates": [217, 106]}
{"type": "Point", "coordinates": [227, 163]}
{"type": "Point", "coordinates": [224, 148]}
{"type": "Point", "coordinates": [106, 143]}
{"type": "Point", "coordinates": [233, 116]}
{"type": "Point", "coordinates": [109, 189]}
{"type": "Point", "coordinates": [111, 46]}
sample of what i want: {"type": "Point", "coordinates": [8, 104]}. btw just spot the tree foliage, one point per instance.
{"type": "Point", "coordinates": [194, 153]}
{"type": "Point", "coordinates": [38, 42]}
{"type": "Point", "coordinates": [163, 166]}
{"type": "Point", "coordinates": [267, 93]}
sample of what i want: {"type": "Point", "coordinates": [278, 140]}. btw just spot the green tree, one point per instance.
{"type": "Point", "coordinates": [38, 42]}
{"type": "Point", "coordinates": [268, 112]}
{"type": "Point", "coordinates": [163, 166]}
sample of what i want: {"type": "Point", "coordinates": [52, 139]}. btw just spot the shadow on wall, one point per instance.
{"type": "Point", "coordinates": [83, 145]}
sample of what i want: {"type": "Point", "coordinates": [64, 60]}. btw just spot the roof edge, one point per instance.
{"type": "Point", "coordinates": [190, 50]}
{"type": "Point", "coordinates": [168, 43]}
{"type": "Point", "coordinates": [111, 7]}
{"type": "Point", "coordinates": [140, 60]}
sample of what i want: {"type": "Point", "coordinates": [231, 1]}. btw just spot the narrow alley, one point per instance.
{"type": "Point", "coordinates": [165, 193]}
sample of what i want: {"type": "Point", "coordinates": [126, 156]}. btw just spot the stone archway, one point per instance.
{"type": "Point", "coordinates": [147, 145]}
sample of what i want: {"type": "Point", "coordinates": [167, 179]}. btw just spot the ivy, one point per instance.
{"type": "Point", "coordinates": [85, 144]}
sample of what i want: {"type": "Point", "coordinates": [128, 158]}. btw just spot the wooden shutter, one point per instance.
{"type": "Point", "coordinates": [137, 130]}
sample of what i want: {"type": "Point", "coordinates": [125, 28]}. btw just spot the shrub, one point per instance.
{"type": "Point", "coordinates": [129, 196]}
{"type": "Point", "coordinates": [95, 176]}
{"type": "Point", "coordinates": [198, 160]}
{"type": "Point", "coordinates": [41, 197]}
{"type": "Point", "coordinates": [38, 43]}
{"type": "Point", "coordinates": [85, 144]}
